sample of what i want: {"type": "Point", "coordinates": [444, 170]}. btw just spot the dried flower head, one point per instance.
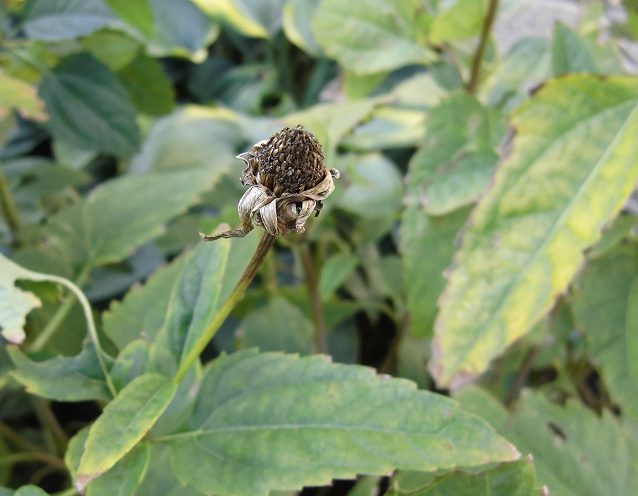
{"type": "Point", "coordinates": [287, 182]}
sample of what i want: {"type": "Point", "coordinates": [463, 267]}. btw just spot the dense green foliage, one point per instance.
{"type": "Point", "coordinates": [461, 319]}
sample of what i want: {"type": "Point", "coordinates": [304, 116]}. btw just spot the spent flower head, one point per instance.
{"type": "Point", "coordinates": [286, 181]}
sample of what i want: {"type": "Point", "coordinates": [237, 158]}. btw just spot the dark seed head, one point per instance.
{"type": "Point", "coordinates": [290, 162]}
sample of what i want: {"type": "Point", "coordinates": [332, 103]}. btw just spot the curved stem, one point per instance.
{"type": "Point", "coordinates": [475, 76]}
{"type": "Point", "coordinates": [315, 299]}
{"type": "Point", "coordinates": [63, 310]}
{"type": "Point", "coordinates": [8, 205]}
{"type": "Point", "coordinates": [189, 360]}
{"type": "Point", "coordinates": [17, 439]}
{"type": "Point", "coordinates": [86, 308]}
{"type": "Point", "coordinates": [34, 456]}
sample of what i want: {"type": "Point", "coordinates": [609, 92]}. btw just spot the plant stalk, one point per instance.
{"type": "Point", "coordinates": [315, 299]}
{"type": "Point", "coordinates": [9, 208]}
{"type": "Point", "coordinates": [189, 360]}
{"type": "Point", "coordinates": [58, 317]}
{"type": "Point", "coordinates": [475, 75]}
{"type": "Point", "coordinates": [35, 456]}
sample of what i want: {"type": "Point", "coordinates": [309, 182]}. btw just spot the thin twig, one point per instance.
{"type": "Point", "coordinates": [9, 208]}
{"type": "Point", "coordinates": [50, 422]}
{"type": "Point", "coordinates": [34, 456]}
{"type": "Point", "coordinates": [475, 76]}
{"type": "Point", "coordinates": [315, 300]}
{"type": "Point", "coordinates": [193, 354]}
{"type": "Point", "coordinates": [17, 439]}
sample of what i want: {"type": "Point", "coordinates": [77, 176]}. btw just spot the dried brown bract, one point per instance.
{"type": "Point", "coordinates": [287, 183]}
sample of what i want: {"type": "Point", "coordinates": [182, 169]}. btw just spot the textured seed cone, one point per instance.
{"type": "Point", "coordinates": [291, 161]}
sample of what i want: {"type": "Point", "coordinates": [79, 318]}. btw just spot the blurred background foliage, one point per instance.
{"type": "Point", "coordinates": [120, 121]}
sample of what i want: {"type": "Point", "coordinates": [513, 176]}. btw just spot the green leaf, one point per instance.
{"type": "Point", "coordinates": [372, 186]}
{"type": "Point", "coordinates": [298, 16]}
{"type": "Point", "coordinates": [570, 53]}
{"type": "Point", "coordinates": [123, 423]}
{"type": "Point", "coordinates": [149, 88]}
{"type": "Point", "coordinates": [15, 304]}
{"type": "Point", "coordinates": [205, 283]}
{"type": "Point", "coordinates": [138, 14]}
{"type": "Point", "coordinates": [255, 18]}
{"type": "Point", "coordinates": [123, 213]}
{"type": "Point", "coordinates": [455, 163]}
{"type": "Point", "coordinates": [62, 378]}
{"type": "Point", "coordinates": [160, 477]}
{"type": "Point", "coordinates": [575, 149]}
{"type": "Point", "coordinates": [604, 301]}
{"type": "Point", "coordinates": [181, 29]}
{"type": "Point", "coordinates": [89, 108]}
{"type": "Point", "coordinates": [141, 313]}
{"type": "Point", "coordinates": [505, 479]}
{"type": "Point", "coordinates": [334, 272]}
{"type": "Point", "coordinates": [576, 451]}
{"type": "Point", "coordinates": [191, 137]}
{"type": "Point", "coordinates": [270, 421]}
{"type": "Point", "coordinates": [372, 35]}
{"type": "Point", "coordinates": [15, 93]}
{"type": "Point", "coordinates": [464, 19]}
{"type": "Point", "coordinates": [427, 245]}
{"type": "Point", "coordinates": [122, 480]}
{"type": "Point", "coordinates": [52, 20]}
{"type": "Point", "coordinates": [278, 326]}
{"type": "Point", "coordinates": [30, 491]}
{"type": "Point", "coordinates": [112, 48]}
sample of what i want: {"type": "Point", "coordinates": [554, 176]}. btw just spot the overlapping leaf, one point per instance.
{"type": "Point", "coordinates": [270, 421]}
{"type": "Point", "coordinates": [572, 169]}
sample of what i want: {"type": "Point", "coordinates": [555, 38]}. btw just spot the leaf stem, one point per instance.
{"type": "Point", "coordinates": [475, 76]}
{"type": "Point", "coordinates": [17, 439]}
{"type": "Point", "coordinates": [315, 299]}
{"type": "Point", "coordinates": [34, 456]}
{"type": "Point", "coordinates": [262, 250]}
{"type": "Point", "coordinates": [88, 315]}
{"type": "Point", "coordinates": [50, 422]}
{"type": "Point", "coordinates": [63, 310]}
{"type": "Point", "coordinates": [9, 208]}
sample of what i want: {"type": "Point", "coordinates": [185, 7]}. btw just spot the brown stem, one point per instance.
{"type": "Point", "coordinates": [475, 76]}
{"type": "Point", "coordinates": [262, 249]}
{"type": "Point", "coordinates": [315, 300]}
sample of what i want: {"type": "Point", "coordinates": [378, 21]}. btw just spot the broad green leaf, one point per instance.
{"type": "Point", "coordinates": [123, 423]}
{"type": "Point", "coordinates": [371, 185]}
{"type": "Point", "coordinates": [255, 18]}
{"type": "Point", "coordinates": [112, 48]}
{"type": "Point", "coordinates": [138, 14]}
{"type": "Point", "coordinates": [576, 451]}
{"type": "Point", "coordinates": [454, 164]}
{"type": "Point", "coordinates": [388, 127]}
{"type": "Point", "coordinates": [15, 304]}
{"type": "Point", "coordinates": [298, 16]}
{"type": "Point", "coordinates": [62, 378]}
{"type": "Point", "coordinates": [29, 491]}
{"type": "Point", "coordinates": [205, 283]}
{"type": "Point", "coordinates": [181, 29]}
{"type": "Point", "coordinates": [191, 137]}
{"type": "Point", "coordinates": [334, 271]}
{"type": "Point", "coordinates": [141, 313]}
{"type": "Point", "coordinates": [89, 108]}
{"type": "Point", "coordinates": [464, 19]}
{"type": "Point", "coordinates": [570, 53]}
{"type": "Point", "coordinates": [427, 247]}
{"type": "Point", "coordinates": [505, 479]}
{"type": "Point", "coordinates": [160, 476]}
{"type": "Point", "coordinates": [604, 301]}
{"type": "Point", "coordinates": [146, 83]}
{"type": "Point", "coordinates": [15, 93]}
{"type": "Point", "coordinates": [270, 421]}
{"type": "Point", "coordinates": [53, 20]}
{"type": "Point", "coordinates": [123, 213]}
{"type": "Point", "coordinates": [122, 480]}
{"type": "Point", "coordinates": [278, 326]}
{"type": "Point", "coordinates": [571, 170]}
{"type": "Point", "coordinates": [372, 35]}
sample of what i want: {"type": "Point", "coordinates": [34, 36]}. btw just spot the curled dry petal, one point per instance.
{"type": "Point", "coordinates": [287, 208]}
